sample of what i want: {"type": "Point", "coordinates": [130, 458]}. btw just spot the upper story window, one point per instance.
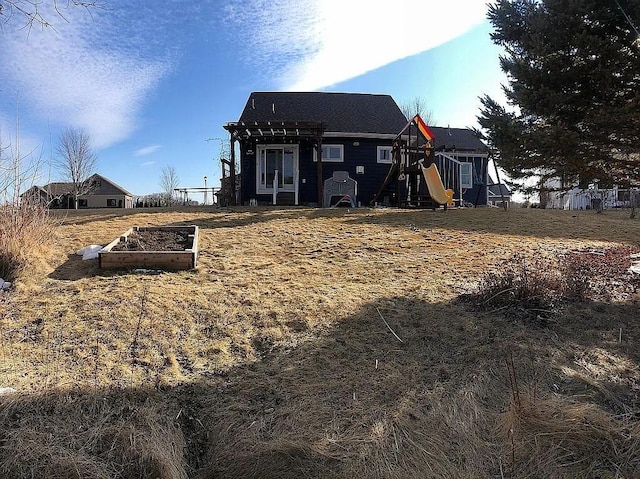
{"type": "Point", "coordinates": [384, 154]}
{"type": "Point", "coordinates": [333, 153]}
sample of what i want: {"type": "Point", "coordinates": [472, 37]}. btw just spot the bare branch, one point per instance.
{"type": "Point", "coordinates": [417, 106]}
{"type": "Point", "coordinates": [169, 181]}
{"type": "Point", "coordinates": [76, 160]}
{"type": "Point", "coordinates": [31, 11]}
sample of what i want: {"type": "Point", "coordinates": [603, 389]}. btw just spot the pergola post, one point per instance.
{"type": "Point", "coordinates": [232, 171]}
{"type": "Point", "coordinates": [319, 170]}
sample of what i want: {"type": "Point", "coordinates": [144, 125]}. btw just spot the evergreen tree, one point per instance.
{"type": "Point", "coordinates": [573, 69]}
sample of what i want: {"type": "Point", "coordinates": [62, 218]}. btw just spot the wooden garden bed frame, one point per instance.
{"type": "Point", "coordinates": [166, 260]}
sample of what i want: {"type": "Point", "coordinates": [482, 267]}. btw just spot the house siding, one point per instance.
{"type": "Point", "coordinates": [357, 152]}
{"type": "Point", "coordinates": [102, 201]}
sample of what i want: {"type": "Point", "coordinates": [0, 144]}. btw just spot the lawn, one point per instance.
{"type": "Point", "coordinates": [323, 343]}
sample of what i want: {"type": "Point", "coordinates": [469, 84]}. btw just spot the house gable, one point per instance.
{"type": "Point", "coordinates": [104, 186]}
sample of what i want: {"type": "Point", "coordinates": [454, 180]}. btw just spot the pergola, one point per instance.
{"type": "Point", "coordinates": [272, 131]}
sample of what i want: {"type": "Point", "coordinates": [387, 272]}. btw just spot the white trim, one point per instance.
{"type": "Point", "coordinates": [384, 148]}
{"type": "Point", "coordinates": [346, 134]}
{"type": "Point", "coordinates": [274, 188]}
{"type": "Point", "coordinates": [334, 160]}
{"type": "Point", "coordinates": [464, 164]}
{"type": "Point", "coordinates": [268, 190]}
{"type": "Point", "coordinates": [296, 185]}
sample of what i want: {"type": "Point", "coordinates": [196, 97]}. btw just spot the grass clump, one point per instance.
{"type": "Point", "coordinates": [61, 435]}
{"type": "Point", "coordinates": [25, 232]}
{"type": "Point", "coordinates": [558, 437]}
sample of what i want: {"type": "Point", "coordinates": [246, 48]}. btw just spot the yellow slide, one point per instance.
{"type": "Point", "coordinates": [435, 186]}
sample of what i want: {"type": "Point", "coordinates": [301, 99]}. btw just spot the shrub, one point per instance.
{"type": "Point", "coordinates": [536, 287]}
{"type": "Point", "coordinates": [25, 231]}
{"type": "Point", "coordinates": [520, 283]}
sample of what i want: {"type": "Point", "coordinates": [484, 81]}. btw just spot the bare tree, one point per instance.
{"type": "Point", "coordinates": [36, 11]}
{"type": "Point", "coordinates": [169, 181]}
{"type": "Point", "coordinates": [76, 161]}
{"type": "Point", "coordinates": [417, 106]}
{"type": "Point", "coordinates": [25, 225]}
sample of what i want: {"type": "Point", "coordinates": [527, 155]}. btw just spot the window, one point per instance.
{"type": "Point", "coordinates": [272, 158]}
{"type": "Point", "coordinates": [332, 153]}
{"type": "Point", "coordinates": [384, 154]}
{"type": "Point", "coordinates": [466, 175]}
{"type": "Point", "coordinates": [623, 195]}
{"type": "Point", "coordinates": [82, 203]}
{"type": "Point", "coordinates": [111, 203]}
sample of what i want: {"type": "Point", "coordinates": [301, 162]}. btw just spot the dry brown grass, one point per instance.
{"type": "Point", "coordinates": [272, 360]}
{"type": "Point", "coordinates": [25, 237]}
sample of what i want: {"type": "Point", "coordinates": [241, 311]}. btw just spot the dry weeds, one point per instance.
{"type": "Point", "coordinates": [25, 232]}
{"type": "Point", "coordinates": [272, 360]}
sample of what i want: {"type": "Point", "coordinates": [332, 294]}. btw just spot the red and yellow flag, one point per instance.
{"type": "Point", "coordinates": [424, 129]}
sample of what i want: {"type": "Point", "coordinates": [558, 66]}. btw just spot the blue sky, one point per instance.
{"type": "Point", "coordinates": [154, 82]}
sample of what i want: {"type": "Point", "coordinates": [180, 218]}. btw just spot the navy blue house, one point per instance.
{"type": "Point", "coordinates": [282, 135]}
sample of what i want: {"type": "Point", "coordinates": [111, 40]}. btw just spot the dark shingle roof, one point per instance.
{"type": "Point", "coordinates": [462, 139]}
{"type": "Point", "coordinates": [495, 190]}
{"type": "Point", "coordinates": [58, 189]}
{"type": "Point", "coordinates": [107, 187]}
{"type": "Point", "coordinates": [341, 112]}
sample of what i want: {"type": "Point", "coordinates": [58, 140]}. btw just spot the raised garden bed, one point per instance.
{"type": "Point", "coordinates": [158, 247]}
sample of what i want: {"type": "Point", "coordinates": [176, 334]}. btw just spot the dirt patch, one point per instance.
{"type": "Point", "coordinates": [146, 240]}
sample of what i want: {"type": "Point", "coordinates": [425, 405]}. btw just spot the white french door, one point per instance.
{"type": "Point", "coordinates": [282, 159]}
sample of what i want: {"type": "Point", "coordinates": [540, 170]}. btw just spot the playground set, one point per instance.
{"type": "Point", "coordinates": [420, 176]}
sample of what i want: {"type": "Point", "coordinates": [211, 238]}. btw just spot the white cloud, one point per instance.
{"type": "Point", "coordinates": [147, 163]}
{"type": "Point", "coordinates": [87, 73]}
{"type": "Point", "coordinates": [311, 44]}
{"type": "Point", "coordinates": [147, 150]}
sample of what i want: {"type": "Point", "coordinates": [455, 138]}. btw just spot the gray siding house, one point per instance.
{"type": "Point", "coordinates": [100, 193]}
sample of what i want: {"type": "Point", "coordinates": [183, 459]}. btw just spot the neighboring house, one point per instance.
{"type": "Point", "coordinates": [498, 193]}
{"type": "Point", "coordinates": [280, 135]}
{"type": "Point", "coordinates": [100, 193]}
{"type": "Point", "coordinates": [592, 197]}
